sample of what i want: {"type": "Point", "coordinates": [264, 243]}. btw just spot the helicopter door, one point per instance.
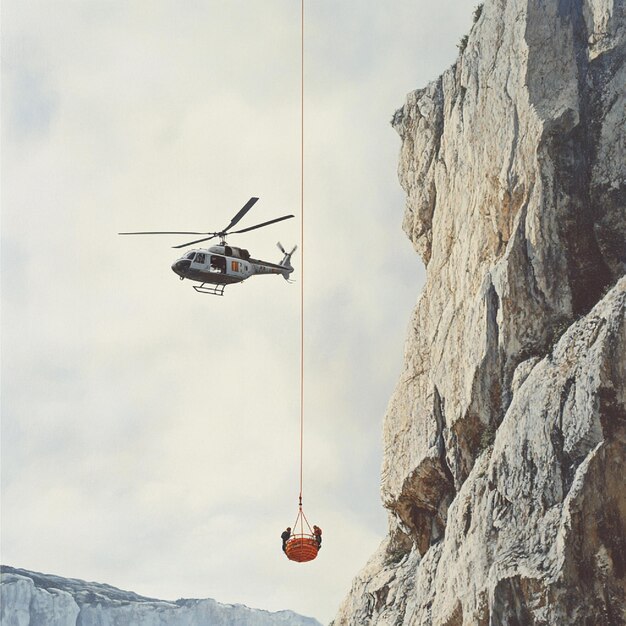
{"type": "Point", "coordinates": [218, 264]}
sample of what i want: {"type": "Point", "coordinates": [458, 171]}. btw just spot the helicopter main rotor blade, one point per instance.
{"type": "Point", "coordinates": [190, 243]}
{"type": "Point", "coordinates": [278, 219]}
{"type": "Point", "coordinates": [246, 207]}
{"type": "Point", "coordinates": [166, 232]}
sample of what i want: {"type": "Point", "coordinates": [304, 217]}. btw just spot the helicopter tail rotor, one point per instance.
{"type": "Point", "coordinates": [286, 261]}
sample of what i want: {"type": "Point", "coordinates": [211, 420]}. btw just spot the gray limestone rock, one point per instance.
{"type": "Point", "coordinates": [505, 439]}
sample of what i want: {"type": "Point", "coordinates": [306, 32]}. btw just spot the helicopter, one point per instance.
{"type": "Point", "coordinates": [223, 265]}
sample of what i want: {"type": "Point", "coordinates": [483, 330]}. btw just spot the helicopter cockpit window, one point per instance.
{"type": "Point", "coordinates": [200, 257]}
{"type": "Point", "coordinates": [190, 255]}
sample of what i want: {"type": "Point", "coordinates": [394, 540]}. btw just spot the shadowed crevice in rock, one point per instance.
{"type": "Point", "coordinates": [568, 150]}
{"type": "Point", "coordinates": [510, 600]}
{"type": "Point", "coordinates": [423, 506]}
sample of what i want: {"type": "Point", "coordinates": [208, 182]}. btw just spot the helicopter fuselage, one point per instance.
{"type": "Point", "coordinates": [225, 265]}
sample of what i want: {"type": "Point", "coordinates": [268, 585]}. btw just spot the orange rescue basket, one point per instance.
{"type": "Point", "coordinates": [302, 548]}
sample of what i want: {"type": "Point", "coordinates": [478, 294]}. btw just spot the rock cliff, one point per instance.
{"type": "Point", "coordinates": [33, 599]}
{"type": "Point", "coordinates": [505, 439]}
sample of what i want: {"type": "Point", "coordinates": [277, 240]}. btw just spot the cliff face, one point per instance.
{"type": "Point", "coordinates": [505, 439]}
{"type": "Point", "coordinates": [32, 599]}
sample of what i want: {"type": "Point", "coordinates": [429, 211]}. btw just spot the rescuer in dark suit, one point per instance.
{"type": "Point", "coordinates": [317, 531]}
{"type": "Point", "coordinates": [285, 537]}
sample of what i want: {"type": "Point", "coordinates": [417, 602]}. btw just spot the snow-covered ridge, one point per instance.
{"type": "Point", "coordinates": [34, 599]}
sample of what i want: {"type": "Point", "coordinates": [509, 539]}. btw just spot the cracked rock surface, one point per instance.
{"type": "Point", "coordinates": [505, 439]}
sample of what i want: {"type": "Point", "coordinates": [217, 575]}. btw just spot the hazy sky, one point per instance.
{"type": "Point", "coordinates": [149, 433]}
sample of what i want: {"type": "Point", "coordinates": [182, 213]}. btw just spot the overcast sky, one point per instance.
{"type": "Point", "coordinates": [149, 433]}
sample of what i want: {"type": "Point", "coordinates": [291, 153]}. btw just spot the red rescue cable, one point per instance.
{"type": "Point", "coordinates": [304, 545]}
{"type": "Point", "coordinates": [301, 242]}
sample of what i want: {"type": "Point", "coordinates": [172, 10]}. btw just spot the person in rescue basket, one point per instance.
{"type": "Point", "coordinates": [317, 531]}
{"type": "Point", "coordinates": [285, 537]}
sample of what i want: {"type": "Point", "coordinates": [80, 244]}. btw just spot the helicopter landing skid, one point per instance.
{"type": "Point", "coordinates": [213, 290]}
